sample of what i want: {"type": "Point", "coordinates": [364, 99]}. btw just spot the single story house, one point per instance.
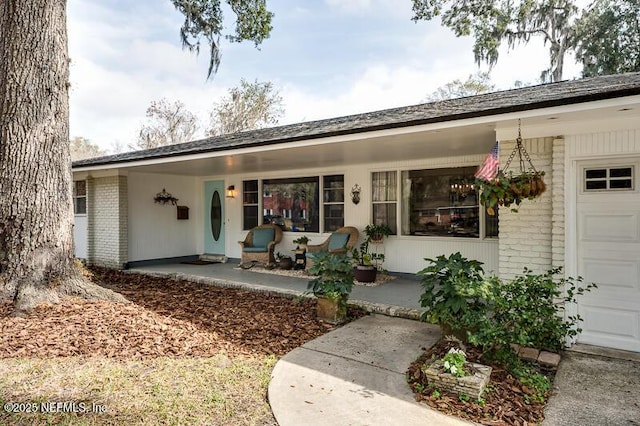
{"type": "Point", "coordinates": [412, 168]}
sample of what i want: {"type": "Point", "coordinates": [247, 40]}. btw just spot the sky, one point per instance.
{"type": "Point", "coordinates": [328, 58]}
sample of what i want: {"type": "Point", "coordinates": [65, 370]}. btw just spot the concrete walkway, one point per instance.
{"type": "Point", "coordinates": [594, 390]}
{"type": "Point", "coordinates": [355, 375]}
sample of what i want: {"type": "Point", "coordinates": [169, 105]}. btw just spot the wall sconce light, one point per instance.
{"type": "Point", "coordinates": [231, 191]}
{"type": "Point", "coordinates": [355, 193]}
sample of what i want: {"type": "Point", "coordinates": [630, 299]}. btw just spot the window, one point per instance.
{"type": "Point", "coordinates": [441, 202]}
{"type": "Point", "coordinates": [293, 203]}
{"type": "Point", "coordinates": [80, 197]}
{"type": "Point", "coordinates": [608, 179]}
{"type": "Point", "coordinates": [333, 202]}
{"type": "Point", "coordinates": [384, 195]}
{"type": "Point", "coordinates": [249, 204]}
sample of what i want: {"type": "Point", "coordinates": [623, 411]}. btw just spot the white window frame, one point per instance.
{"type": "Point", "coordinates": [76, 197]}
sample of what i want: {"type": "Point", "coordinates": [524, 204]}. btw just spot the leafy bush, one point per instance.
{"type": "Point", "coordinates": [529, 309]}
{"type": "Point", "coordinates": [456, 294]}
{"type": "Point", "coordinates": [334, 275]}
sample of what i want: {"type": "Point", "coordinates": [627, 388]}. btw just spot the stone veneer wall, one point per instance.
{"type": "Point", "coordinates": [107, 229]}
{"type": "Point", "coordinates": [526, 237]}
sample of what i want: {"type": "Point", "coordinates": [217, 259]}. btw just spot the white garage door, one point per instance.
{"type": "Point", "coordinates": [608, 253]}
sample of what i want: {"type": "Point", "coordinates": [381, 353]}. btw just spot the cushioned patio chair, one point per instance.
{"type": "Point", "coordinates": [342, 240]}
{"type": "Point", "coordinates": [259, 244]}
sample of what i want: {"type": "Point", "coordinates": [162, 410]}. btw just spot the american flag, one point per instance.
{"type": "Point", "coordinates": [489, 168]}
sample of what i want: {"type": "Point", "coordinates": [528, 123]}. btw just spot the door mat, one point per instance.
{"type": "Point", "coordinates": [199, 262]}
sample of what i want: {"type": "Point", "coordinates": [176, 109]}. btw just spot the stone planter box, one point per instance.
{"type": "Point", "coordinates": [471, 385]}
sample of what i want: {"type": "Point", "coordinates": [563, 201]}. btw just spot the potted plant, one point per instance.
{"type": "Point", "coordinates": [284, 262]}
{"type": "Point", "coordinates": [506, 190]}
{"type": "Point", "coordinates": [332, 285]}
{"type": "Point", "coordinates": [364, 270]}
{"type": "Point", "coordinates": [301, 242]}
{"type": "Point", "coordinates": [376, 233]}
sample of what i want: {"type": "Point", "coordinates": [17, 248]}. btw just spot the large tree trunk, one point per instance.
{"type": "Point", "coordinates": [35, 175]}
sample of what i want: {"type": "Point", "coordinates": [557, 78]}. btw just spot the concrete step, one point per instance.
{"type": "Point", "coordinates": [211, 257]}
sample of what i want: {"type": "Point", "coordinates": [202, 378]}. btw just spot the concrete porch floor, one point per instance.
{"type": "Point", "coordinates": [399, 297]}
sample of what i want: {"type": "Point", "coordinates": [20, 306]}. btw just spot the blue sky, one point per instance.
{"type": "Point", "coordinates": [327, 57]}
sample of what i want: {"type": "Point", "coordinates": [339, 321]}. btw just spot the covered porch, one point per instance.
{"type": "Point", "coordinates": [398, 297]}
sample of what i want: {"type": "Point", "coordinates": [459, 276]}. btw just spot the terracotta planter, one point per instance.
{"type": "Point", "coordinates": [364, 273]}
{"type": "Point", "coordinates": [331, 310]}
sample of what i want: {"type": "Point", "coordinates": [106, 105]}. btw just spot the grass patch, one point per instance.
{"type": "Point", "coordinates": [173, 391]}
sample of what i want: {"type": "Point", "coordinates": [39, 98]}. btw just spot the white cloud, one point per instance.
{"type": "Point", "coordinates": [124, 59]}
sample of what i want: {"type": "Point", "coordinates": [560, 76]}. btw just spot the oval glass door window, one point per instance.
{"type": "Point", "coordinates": [216, 215]}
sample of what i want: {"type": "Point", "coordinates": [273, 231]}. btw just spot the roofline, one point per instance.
{"type": "Point", "coordinates": [569, 100]}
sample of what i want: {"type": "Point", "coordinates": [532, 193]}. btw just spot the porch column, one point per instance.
{"type": "Point", "coordinates": [107, 227]}
{"type": "Point", "coordinates": [525, 238]}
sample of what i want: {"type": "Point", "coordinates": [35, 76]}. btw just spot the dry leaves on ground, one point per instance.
{"type": "Point", "coordinates": [504, 398]}
{"type": "Point", "coordinates": [167, 318]}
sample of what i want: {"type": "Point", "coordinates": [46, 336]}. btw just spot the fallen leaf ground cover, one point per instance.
{"type": "Point", "coordinates": [180, 353]}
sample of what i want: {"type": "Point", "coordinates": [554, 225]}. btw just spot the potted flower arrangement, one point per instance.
{"type": "Point", "coordinates": [506, 190]}
{"type": "Point", "coordinates": [332, 285]}
{"type": "Point", "coordinates": [454, 362]}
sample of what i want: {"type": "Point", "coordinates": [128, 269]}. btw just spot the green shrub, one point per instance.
{"type": "Point", "coordinates": [334, 275]}
{"type": "Point", "coordinates": [456, 294]}
{"type": "Point", "coordinates": [529, 310]}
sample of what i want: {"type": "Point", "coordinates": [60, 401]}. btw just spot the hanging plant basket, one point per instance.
{"type": "Point", "coordinates": [509, 188]}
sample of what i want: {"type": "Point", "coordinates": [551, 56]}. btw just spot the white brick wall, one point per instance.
{"type": "Point", "coordinates": [107, 224]}
{"type": "Point", "coordinates": [526, 237]}
{"type": "Point", "coordinates": [557, 204]}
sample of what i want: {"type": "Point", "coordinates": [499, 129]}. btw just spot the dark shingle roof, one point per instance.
{"type": "Point", "coordinates": [523, 99]}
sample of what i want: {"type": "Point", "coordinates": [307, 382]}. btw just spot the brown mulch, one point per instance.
{"type": "Point", "coordinates": [504, 397]}
{"type": "Point", "coordinates": [167, 318]}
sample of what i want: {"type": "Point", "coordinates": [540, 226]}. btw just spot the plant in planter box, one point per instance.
{"type": "Point", "coordinates": [456, 294]}
{"type": "Point", "coordinates": [332, 285]}
{"type": "Point", "coordinates": [453, 362]}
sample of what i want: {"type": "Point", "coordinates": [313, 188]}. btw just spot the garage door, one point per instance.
{"type": "Point", "coordinates": [608, 253]}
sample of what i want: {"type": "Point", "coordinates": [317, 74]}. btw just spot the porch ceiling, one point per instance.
{"type": "Point", "coordinates": [469, 140]}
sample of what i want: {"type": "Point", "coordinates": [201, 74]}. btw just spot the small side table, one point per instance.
{"type": "Point", "coordinates": [300, 261]}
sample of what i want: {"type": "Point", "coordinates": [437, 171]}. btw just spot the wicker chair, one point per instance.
{"type": "Point", "coordinates": [259, 244]}
{"type": "Point", "coordinates": [341, 240]}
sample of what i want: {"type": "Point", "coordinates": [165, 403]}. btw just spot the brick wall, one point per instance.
{"type": "Point", "coordinates": [557, 204]}
{"type": "Point", "coordinates": [107, 230]}
{"type": "Point", "coordinates": [526, 237]}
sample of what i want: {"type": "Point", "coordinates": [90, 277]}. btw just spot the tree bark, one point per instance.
{"type": "Point", "coordinates": [36, 212]}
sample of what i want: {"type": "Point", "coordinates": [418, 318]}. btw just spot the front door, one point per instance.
{"type": "Point", "coordinates": [214, 217]}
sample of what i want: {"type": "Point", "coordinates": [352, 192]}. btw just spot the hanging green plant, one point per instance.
{"type": "Point", "coordinates": [509, 188]}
